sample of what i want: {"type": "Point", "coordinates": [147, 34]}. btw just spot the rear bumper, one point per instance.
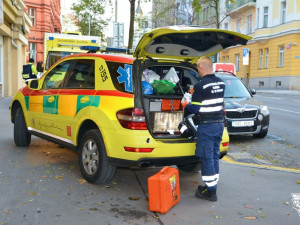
{"type": "Point", "coordinates": [147, 162]}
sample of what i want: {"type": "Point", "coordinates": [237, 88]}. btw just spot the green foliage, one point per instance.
{"type": "Point", "coordinates": [93, 10]}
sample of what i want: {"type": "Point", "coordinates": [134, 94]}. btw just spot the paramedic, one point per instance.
{"type": "Point", "coordinates": [207, 105]}
{"type": "Point", "coordinates": [29, 70]}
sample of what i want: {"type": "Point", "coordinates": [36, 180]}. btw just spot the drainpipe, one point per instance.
{"type": "Point", "coordinates": [12, 39]}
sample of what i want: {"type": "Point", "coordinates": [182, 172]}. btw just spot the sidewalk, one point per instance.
{"type": "Point", "coordinates": [276, 91]}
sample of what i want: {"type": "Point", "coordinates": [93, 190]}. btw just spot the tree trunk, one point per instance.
{"type": "Point", "coordinates": [131, 25]}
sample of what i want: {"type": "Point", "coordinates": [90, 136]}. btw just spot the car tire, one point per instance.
{"type": "Point", "coordinates": [190, 168]}
{"type": "Point", "coordinates": [261, 134]}
{"type": "Point", "coordinates": [21, 136]}
{"type": "Point", "coordinates": [93, 160]}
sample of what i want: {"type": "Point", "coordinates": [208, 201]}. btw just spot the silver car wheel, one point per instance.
{"type": "Point", "coordinates": [90, 157]}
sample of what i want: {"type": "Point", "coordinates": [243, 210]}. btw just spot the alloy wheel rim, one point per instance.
{"type": "Point", "coordinates": [90, 157]}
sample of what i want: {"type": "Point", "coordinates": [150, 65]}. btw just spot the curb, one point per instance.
{"type": "Point", "coordinates": [230, 160]}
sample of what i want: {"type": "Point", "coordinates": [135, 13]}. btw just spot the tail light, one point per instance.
{"type": "Point", "coordinates": [133, 118]}
{"type": "Point", "coordinates": [129, 149]}
{"type": "Point", "coordinates": [225, 144]}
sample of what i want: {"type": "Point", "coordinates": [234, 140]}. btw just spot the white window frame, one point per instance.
{"type": "Point", "coordinates": [226, 26]}
{"type": "Point", "coordinates": [237, 62]}
{"type": "Point", "coordinates": [283, 12]}
{"type": "Point", "coordinates": [32, 50]}
{"type": "Point", "coordinates": [261, 57]}
{"type": "Point", "coordinates": [281, 56]}
{"type": "Point", "coordinates": [238, 25]}
{"type": "Point", "coordinates": [266, 58]}
{"type": "Point", "coordinates": [266, 17]}
{"type": "Point", "coordinates": [257, 21]}
{"type": "Point", "coordinates": [249, 24]}
{"type": "Point", "coordinates": [32, 15]}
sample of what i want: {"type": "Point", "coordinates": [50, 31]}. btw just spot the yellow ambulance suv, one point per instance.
{"type": "Point", "coordinates": [119, 110]}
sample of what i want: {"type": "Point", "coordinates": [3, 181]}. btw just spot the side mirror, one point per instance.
{"type": "Point", "coordinates": [33, 84]}
{"type": "Point", "coordinates": [253, 91]}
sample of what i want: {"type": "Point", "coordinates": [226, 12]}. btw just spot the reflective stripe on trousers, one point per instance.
{"type": "Point", "coordinates": [209, 136]}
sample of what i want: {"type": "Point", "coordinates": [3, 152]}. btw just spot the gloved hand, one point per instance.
{"type": "Point", "coordinates": [186, 99]}
{"type": "Point", "coordinates": [184, 103]}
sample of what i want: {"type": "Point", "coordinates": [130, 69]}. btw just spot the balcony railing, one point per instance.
{"type": "Point", "coordinates": [238, 4]}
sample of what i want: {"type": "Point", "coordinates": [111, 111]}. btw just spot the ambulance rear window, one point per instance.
{"type": "Point", "coordinates": [121, 75]}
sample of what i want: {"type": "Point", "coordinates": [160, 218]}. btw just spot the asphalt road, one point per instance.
{"type": "Point", "coordinates": [284, 110]}
{"type": "Point", "coordinates": [42, 184]}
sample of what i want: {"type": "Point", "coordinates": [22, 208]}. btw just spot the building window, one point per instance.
{"type": "Point", "coordinates": [257, 21]}
{"type": "Point", "coordinates": [238, 25]}
{"type": "Point", "coordinates": [237, 62]}
{"type": "Point", "coordinates": [227, 59]}
{"type": "Point", "coordinates": [283, 12]}
{"type": "Point", "coordinates": [261, 83]}
{"type": "Point", "coordinates": [278, 83]}
{"type": "Point", "coordinates": [266, 57]}
{"type": "Point", "coordinates": [281, 56]}
{"type": "Point", "coordinates": [261, 56]}
{"type": "Point", "coordinates": [31, 13]}
{"type": "Point", "coordinates": [266, 15]}
{"type": "Point", "coordinates": [225, 26]}
{"type": "Point", "coordinates": [249, 24]}
{"type": "Point", "coordinates": [223, 59]}
{"type": "Point", "coordinates": [32, 51]}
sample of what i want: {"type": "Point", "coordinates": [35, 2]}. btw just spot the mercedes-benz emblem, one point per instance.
{"type": "Point", "coordinates": [241, 110]}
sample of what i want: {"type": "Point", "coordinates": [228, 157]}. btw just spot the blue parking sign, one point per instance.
{"type": "Point", "coordinates": [245, 52]}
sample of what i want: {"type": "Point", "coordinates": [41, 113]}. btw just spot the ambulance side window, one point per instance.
{"type": "Point", "coordinates": [55, 77]}
{"type": "Point", "coordinates": [82, 75]}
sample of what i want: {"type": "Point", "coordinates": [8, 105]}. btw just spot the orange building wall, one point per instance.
{"type": "Point", "coordinates": [47, 20]}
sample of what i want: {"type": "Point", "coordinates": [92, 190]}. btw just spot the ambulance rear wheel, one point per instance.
{"type": "Point", "coordinates": [93, 160]}
{"type": "Point", "coordinates": [190, 168]}
{"type": "Point", "coordinates": [21, 136]}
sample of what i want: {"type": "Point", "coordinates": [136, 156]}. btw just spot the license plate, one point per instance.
{"type": "Point", "coordinates": [242, 123]}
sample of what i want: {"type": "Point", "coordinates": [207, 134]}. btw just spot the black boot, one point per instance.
{"type": "Point", "coordinates": [204, 193]}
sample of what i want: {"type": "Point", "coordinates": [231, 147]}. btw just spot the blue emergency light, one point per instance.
{"type": "Point", "coordinates": [90, 48]}
{"type": "Point", "coordinates": [94, 41]}
{"type": "Point", "coordinates": [51, 38]}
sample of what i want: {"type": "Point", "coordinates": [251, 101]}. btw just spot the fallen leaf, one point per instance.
{"type": "Point", "coordinates": [218, 217]}
{"type": "Point", "coordinates": [6, 211]}
{"type": "Point", "coordinates": [43, 176]}
{"type": "Point", "coordinates": [250, 217]}
{"type": "Point", "coordinates": [286, 203]}
{"type": "Point", "coordinates": [134, 198]}
{"type": "Point", "coordinates": [298, 181]}
{"type": "Point", "coordinates": [71, 187]}
{"type": "Point", "coordinates": [32, 193]}
{"type": "Point", "coordinates": [156, 217]}
{"type": "Point", "coordinates": [262, 215]}
{"type": "Point", "coordinates": [248, 207]}
{"type": "Point", "coordinates": [82, 181]}
{"type": "Point", "coordinates": [93, 209]}
{"type": "Point", "coordinates": [240, 213]}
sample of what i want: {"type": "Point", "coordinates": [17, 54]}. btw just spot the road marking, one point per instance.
{"type": "Point", "coordinates": [285, 110]}
{"type": "Point", "coordinates": [267, 97]}
{"type": "Point", "coordinates": [230, 160]}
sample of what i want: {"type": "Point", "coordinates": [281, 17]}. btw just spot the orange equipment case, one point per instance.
{"type": "Point", "coordinates": [163, 190]}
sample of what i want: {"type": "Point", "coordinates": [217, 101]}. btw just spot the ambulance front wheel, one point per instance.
{"type": "Point", "coordinates": [93, 161]}
{"type": "Point", "coordinates": [190, 168]}
{"type": "Point", "coordinates": [21, 136]}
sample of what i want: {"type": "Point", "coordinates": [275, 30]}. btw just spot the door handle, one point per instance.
{"type": "Point", "coordinates": [51, 99]}
{"type": "Point", "coordinates": [84, 99]}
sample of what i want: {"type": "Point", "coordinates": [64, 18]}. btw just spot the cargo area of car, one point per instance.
{"type": "Point", "coordinates": [163, 90]}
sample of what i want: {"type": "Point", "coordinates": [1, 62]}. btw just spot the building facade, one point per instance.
{"type": "Point", "coordinates": [14, 29]}
{"type": "Point", "coordinates": [45, 18]}
{"type": "Point", "coordinates": [274, 51]}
